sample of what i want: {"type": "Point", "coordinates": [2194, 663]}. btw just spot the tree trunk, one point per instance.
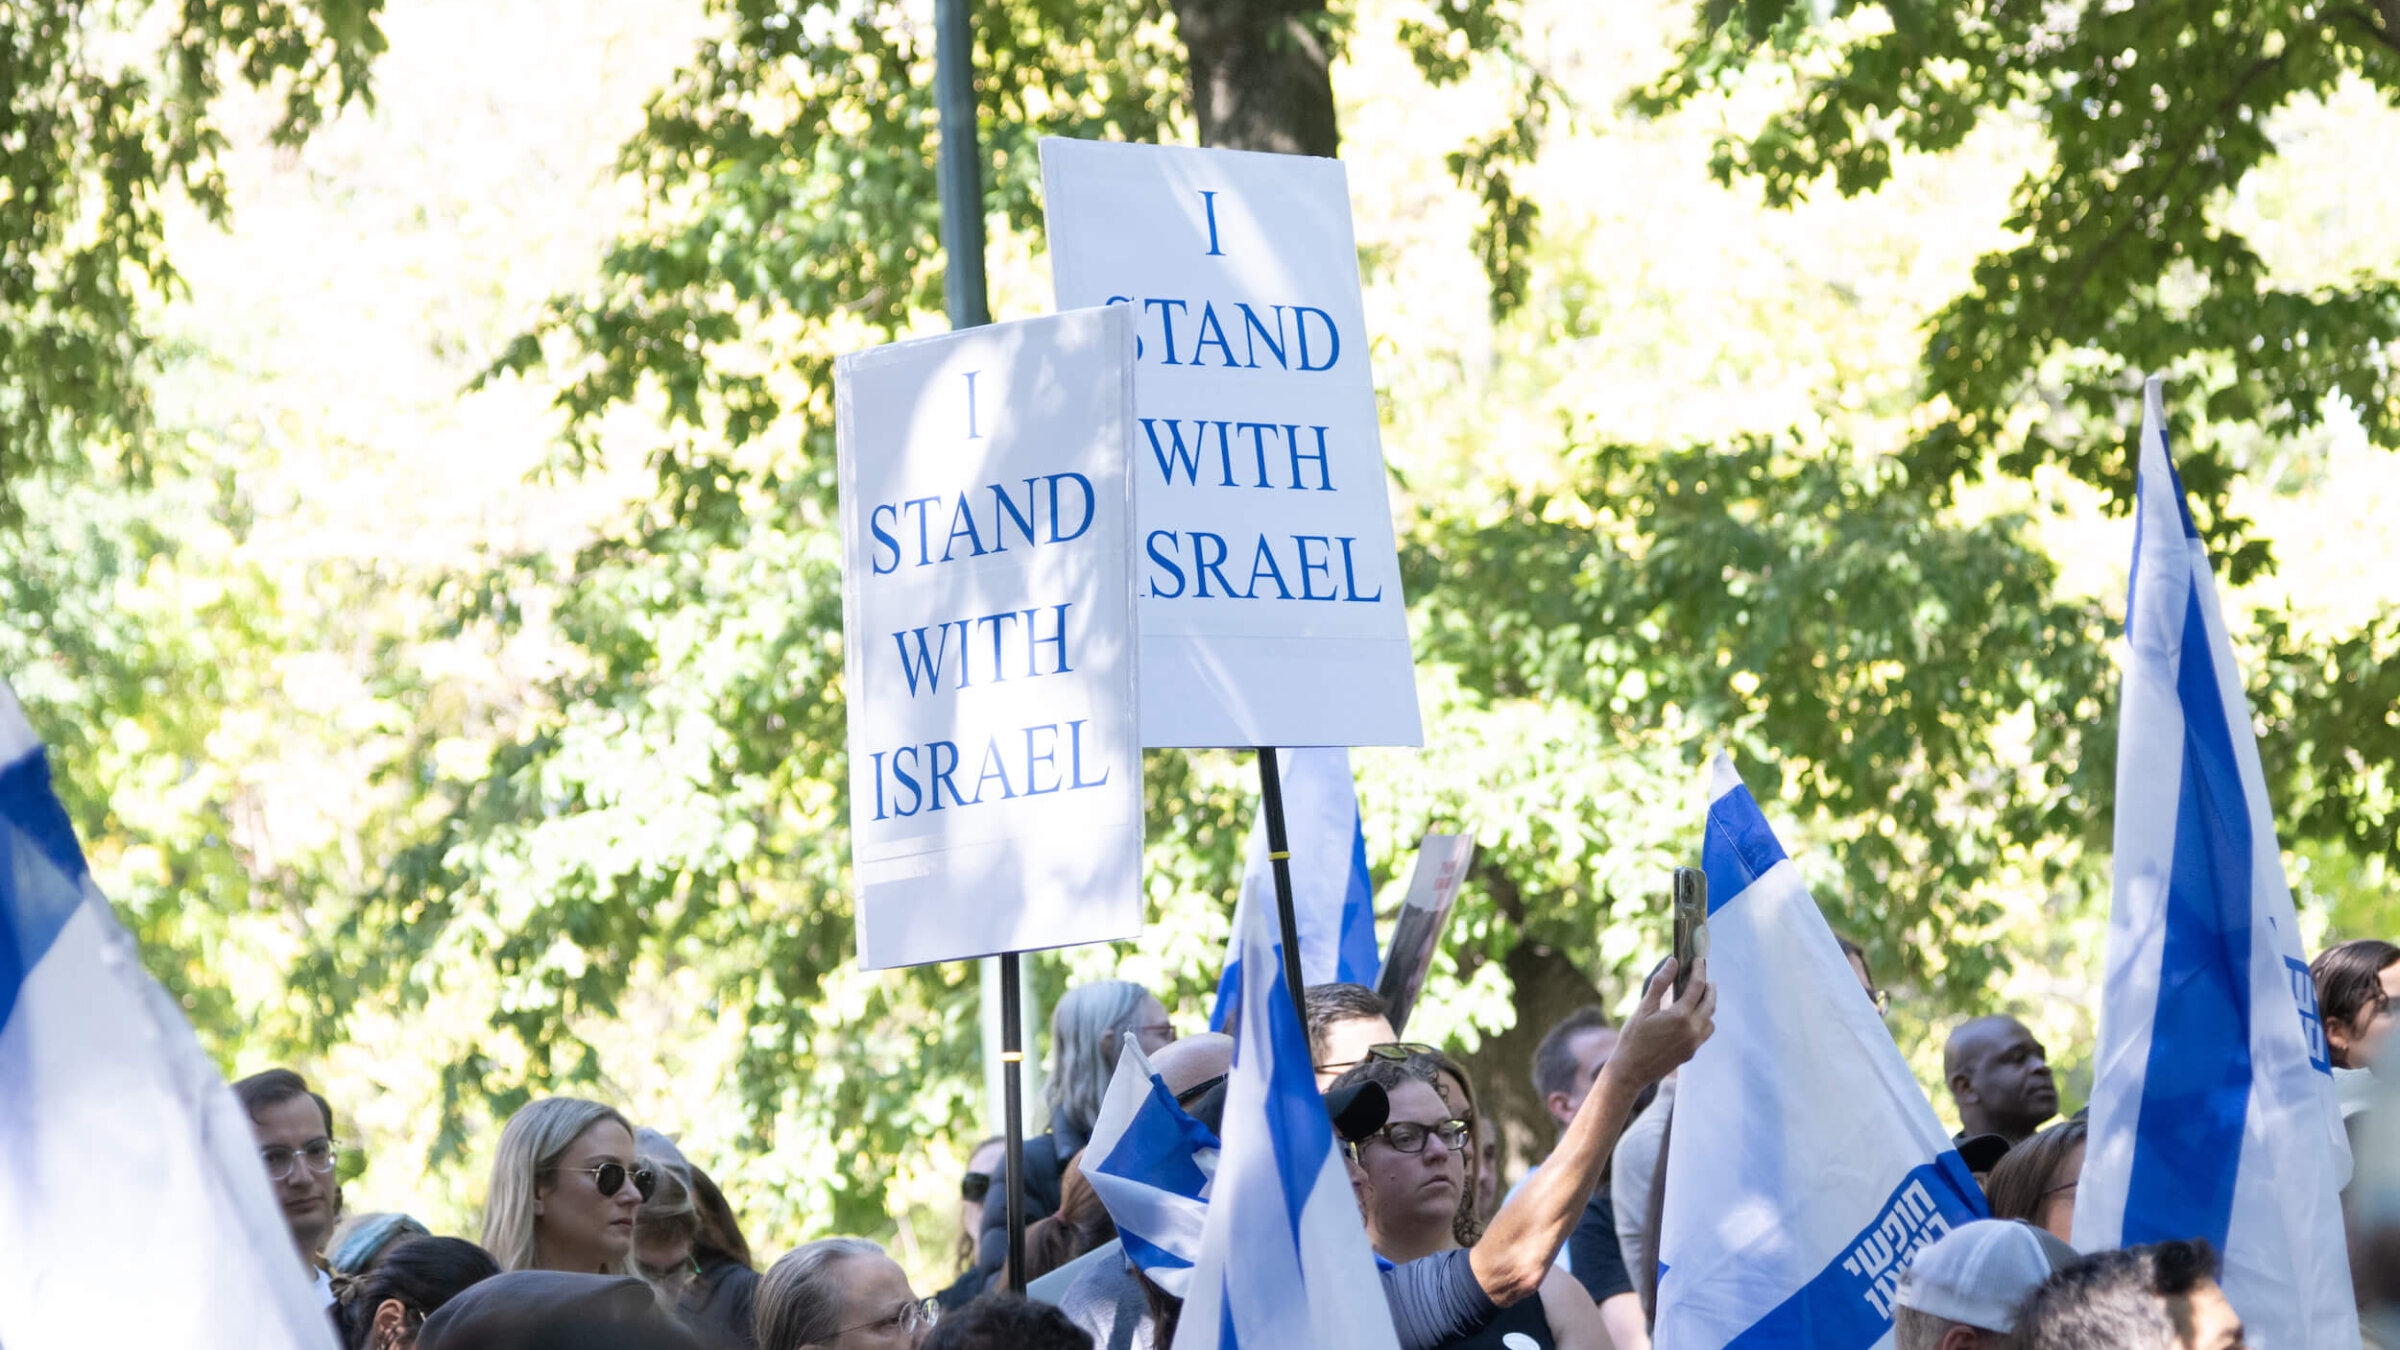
{"type": "Point", "coordinates": [1261, 74]}
{"type": "Point", "coordinates": [1547, 987]}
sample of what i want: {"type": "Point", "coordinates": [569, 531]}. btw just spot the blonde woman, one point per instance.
{"type": "Point", "coordinates": [565, 1186]}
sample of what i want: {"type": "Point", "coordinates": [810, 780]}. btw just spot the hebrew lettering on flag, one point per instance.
{"type": "Point", "coordinates": [2213, 1112]}
{"type": "Point", "coordinates": [1807, 1166]}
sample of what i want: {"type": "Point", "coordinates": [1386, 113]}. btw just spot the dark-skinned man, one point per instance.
{"type": "Point", "coordinates": [2000, 1078]}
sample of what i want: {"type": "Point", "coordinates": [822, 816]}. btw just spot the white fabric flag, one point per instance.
{"type": "Point", "coordinates": [1284, 1261]}
{"type": "Point", "coordinates": [134, 1210]}
{"type": "Point", "coordinates": [2213, 1111]}
{"type": "Point", "coordinates": [1807, 1166]}
{"type": "Point", "coordinates": [1333, 899]}
{"type": "Point", "coordinates": [1150, 1164]}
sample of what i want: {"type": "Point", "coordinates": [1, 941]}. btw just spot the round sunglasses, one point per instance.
{"type": "Point", "coordinates": [610, 1177]}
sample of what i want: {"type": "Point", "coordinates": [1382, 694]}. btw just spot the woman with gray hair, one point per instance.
{"type": "Point", "coordinates": [840, 1294]}
{"type": "Point", "coordinates": [1087, 1030]}
{"type": "Point", "coordinates": [565, 1185]}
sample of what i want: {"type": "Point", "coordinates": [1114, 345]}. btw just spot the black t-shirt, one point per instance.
{"type": "Point", "coordinates": [1592, 1249]}
{"type": "Point", "coordinates": [717, 1304]}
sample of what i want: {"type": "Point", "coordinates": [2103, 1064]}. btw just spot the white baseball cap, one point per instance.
{"type": "Point", "coordinates": [1977, 1273]}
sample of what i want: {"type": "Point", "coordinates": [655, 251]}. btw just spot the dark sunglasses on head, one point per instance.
{"type": "Point", "coordinates": [1394, 1051]}
{"type": "Point", "coordinates": [610, 1177]}
{"type": "Point", "coordinates": [974, 1186]}
{"type": "Point", "coordinates": [1198, 1090]}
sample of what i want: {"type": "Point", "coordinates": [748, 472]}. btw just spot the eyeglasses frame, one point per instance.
{"type": "Point", "coordinates": [918, 1314]}
{"type": "Point", "coordinates": [333, 1156]}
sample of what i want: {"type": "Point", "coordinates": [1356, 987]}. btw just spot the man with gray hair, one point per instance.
{"type": "Point", "coordinates": [1962, 1292]}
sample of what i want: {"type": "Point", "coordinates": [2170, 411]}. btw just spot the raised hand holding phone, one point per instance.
{"type": "Point", "coordinates": [1689, 901]}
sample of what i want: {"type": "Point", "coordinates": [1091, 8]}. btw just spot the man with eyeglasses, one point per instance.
{"type": "Point", "coordinates": [1346, 1022]}
{"type": "Point", "coordinates": [294, 1127]}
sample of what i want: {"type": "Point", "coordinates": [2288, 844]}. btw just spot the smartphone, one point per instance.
{"type": "Point", "coordinates": [1690, 903]}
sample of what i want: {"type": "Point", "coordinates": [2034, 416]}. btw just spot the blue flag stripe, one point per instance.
{"type": "Point", "coordinates": [1360, 960]}
{"type": "Point", "coordinates": [1738, 846]}
{"type": "Point", "coordinates": [1157, 1146]}
{"type": "Point", "coordinates": [37, 894]}
{"type": "Point", "coordinates": [2196, 1085]}
{"type": "Point", "coordinates": [1302, 1132]}
{"type": "Point", "coordinates": [1357, 958]}
{"type": "Point", "coordinates": [1149, 1255]}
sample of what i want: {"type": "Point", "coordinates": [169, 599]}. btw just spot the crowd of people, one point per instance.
{"type": "Point", "coordinates": [597, 1233]}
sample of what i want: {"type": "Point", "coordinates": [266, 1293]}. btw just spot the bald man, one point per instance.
{"type": "Point", "coordinates": [2000, 1078]}
{"type": "Point", "coordinates": [1193, 1062]}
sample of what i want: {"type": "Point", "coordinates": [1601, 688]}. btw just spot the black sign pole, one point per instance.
{"type": "Point", "coordinates": [1279, 854]}
{"type": "Point", "coordinates": [1012, 1063]}
{"type": "Point", "coordinates": [959, 171]}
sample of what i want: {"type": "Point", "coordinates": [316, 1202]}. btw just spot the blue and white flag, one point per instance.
{"type": "Point", "coordinates": [1807, 1166]}
{"type": "Point", "coordinates": [133, 1205]}
{"type": "Point", "coordinates": [1333, 902]}
{"type": "Point", "coordinates": [2213, 1111]}
{"type": "Point", "coordinates": [1284, 1260]}
{"type": "Point", "coordinates": [1150, 1163]}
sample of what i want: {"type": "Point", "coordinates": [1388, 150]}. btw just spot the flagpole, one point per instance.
{"type": "Point", "coordinates": [1270, 791]}
{"type": "Point", "coordinates": [1012, 1063]}
{"type": "Point", "coordinates": [959, 173]}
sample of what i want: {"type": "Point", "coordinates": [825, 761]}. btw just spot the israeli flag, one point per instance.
{"type": "Point", "coordinates": [1150, 1163]}
{"type": "Point", "coordinates": [1807, 1166]}
{"type": "Point", "coordinates": [133, 1205]}
{"type": "Point", "coordinates": [1284, 1260]}
{"type": "Point", "coordinates": [1332, 900]}
{"type": "Point", "coordinates": [2213, 1111]}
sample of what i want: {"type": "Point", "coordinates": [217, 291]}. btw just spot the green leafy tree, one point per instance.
{"type": "Point", "coordinates": [677, 802]}
{"type": "Point", "coordinates": [2124, 264]}
{"type": "Point", "coordinates": [107, 113]}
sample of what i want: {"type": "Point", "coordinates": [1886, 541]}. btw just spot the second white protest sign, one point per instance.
{"type": "Point", "coordinates": [1264, 562]}
{"type": "Point", "coordinates": [995, 756]}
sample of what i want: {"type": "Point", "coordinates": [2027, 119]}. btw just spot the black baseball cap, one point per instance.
{"type": "Point", "coordinates": [1358, 1110]}
{"type": "Point", "coordinates": [1983, 1152]}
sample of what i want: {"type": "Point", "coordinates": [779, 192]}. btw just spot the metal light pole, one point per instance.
{"type": "Point", "coordinates": [959, 172]}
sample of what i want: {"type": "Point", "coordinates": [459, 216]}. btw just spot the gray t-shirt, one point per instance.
{"type": "Point", "coordinates": [1434, 1301]}
{"type": "Point", "coordinates": [1437, 1299]}
{"type": "Point", "coordinates": [1632, 1168]}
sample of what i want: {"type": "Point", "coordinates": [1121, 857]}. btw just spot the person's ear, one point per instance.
{"type": "Point", "coordinates": [391, 1320]}
{"type": "Point", "coordinates": [1960, 1338]}
{"type": "Point", "coordinates": [1962, 1087]}
{"type": "Point", "coordinates": [1561, 1110]}
{"type": "Point", "coordinates": [2339, 1037]}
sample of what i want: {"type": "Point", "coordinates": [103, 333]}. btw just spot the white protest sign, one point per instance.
{"type": "Point", "coordinates": [1432, 890]}
{"type": "Point", "coordinates": [1269, 586]}
{"type": "Point", "coordinates": [987, 614]}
